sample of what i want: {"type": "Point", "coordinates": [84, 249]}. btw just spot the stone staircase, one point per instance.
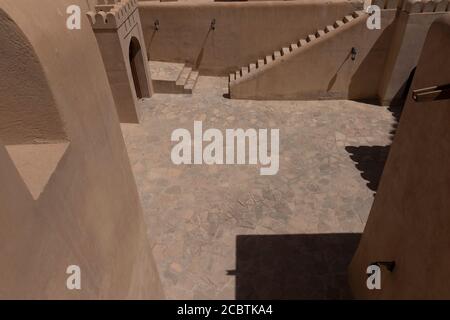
{"type": "Point", "coordinates": [168, 77]}
{"type": "Point", "coordinates": [261, 64]}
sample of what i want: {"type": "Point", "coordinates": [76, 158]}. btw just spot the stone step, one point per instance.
{"type": "Point", "coordinates": [310, 38]}
{"type": "Point", "coordinates": [276, 55]}
{"type": "Point", "coordinates": [284, 51]}
{"type": "Point", "coordinates": [302, 42]}
{"type": "Point", "coordinates": [244, 71]}
{"type": "Point", "coordinates": [329, 28]}
{"type": "Point", "coordinates": [252, 67]}
{"type": "Point", "coordinates": [357, 14]}
{"type": "Point", "coordinates": [348, 19]}
{"type": "Point", "coordinates": [165, 71]}
{"type": "Point", "coordinates": [338, 24]}
{"type": "Point", "coordinates": [231, 77]}
{"type": "Point", "coordinates": [320, 33]}
{"type": "Point", "coordinates": [260, 63]}
{"type": "Point", "coordinates": [268, 59]}
{"type": "Point", "coordinates": [183, 76]}
{"type": "Point", "coordinates": [168, 77]}
{"type": "Point", "coordinates": [293, 46]}
{"type": "Point", "coordinates": [192, 81]}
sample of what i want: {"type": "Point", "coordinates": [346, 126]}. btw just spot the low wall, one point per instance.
{"type": "Point", "coordinates": [244, 31]}
{"type": "Point", "coordinates": [409, 222]}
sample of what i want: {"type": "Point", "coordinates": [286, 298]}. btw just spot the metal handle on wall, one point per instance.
{"type": "Point", "coordinates": [434, 93]}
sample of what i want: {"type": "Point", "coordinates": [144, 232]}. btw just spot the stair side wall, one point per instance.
{"type": "Point", "coordinates": [323, 69]}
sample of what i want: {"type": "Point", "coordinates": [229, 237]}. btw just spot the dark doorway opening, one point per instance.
{"type": "Point", "coordinates": [138, 69]}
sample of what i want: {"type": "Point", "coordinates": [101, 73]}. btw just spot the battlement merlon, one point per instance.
{"type": "Point", "coordinates": [387, 4]}
{"type": "Point", "coordinates": [111, 14]}
{"type": "Point", "coordinates": [414, 6]}
{"type": "Point", "coordinates": [421, 6]}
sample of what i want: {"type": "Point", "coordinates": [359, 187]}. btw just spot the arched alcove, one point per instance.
{"type": "Point", "coordinates": [138, 69]}
{"type": "Point", "coordinates": [31, 127]}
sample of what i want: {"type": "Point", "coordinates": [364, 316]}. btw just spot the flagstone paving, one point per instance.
{"type": "Point", "coordinates": [194, 213]}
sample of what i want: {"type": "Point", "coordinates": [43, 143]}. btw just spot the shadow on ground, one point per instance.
{"type": "Point", "coordinates": [306, 266]}
{"type": "Point", "coordinates": [370, 161]}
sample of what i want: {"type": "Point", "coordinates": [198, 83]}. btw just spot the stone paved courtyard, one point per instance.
{"type": "Point", "coordinates": [291, 234]}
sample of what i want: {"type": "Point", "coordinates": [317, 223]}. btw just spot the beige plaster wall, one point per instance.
{"type": "Point", "coordinates": [27, 108]}
{"type": "Point", "coordinates": [409, 222]}
{"type": "Point", "coordinates": [409, 36]}
{"type": "Point", "coordinates": [323, 69]}
{"type": "Point", "coordinates": [245, 31]}
{"type": "Point", "coordinates": [89, 212]}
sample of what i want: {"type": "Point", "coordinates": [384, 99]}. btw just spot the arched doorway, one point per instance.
{"type": "Point", "coordinates": [138, 69]}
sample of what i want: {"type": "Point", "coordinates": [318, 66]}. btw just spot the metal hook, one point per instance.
{"type": "Point", "coordinates": [156, 24]}
{"type": "Point", "coordinates": [213, 24]}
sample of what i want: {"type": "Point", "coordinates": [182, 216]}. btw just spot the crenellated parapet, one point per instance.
{"type": "Point", "coordinates": [111, 14]}
{"type": "Point", "coordinates": [388, 4]}
{"type": "Point", "coordinates": [420, 6]}
{"type": "Point", "coordinates": [414, 6]}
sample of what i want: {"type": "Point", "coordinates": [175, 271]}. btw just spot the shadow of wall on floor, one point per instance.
{"type": "Point", "coordinates": [369, 160]}
{"type": "Point", "coordinates": [298, 266]}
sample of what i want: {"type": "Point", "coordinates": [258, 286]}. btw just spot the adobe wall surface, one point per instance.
{"type": "Point", "coordinates": [323, 68]}
{"type": "Point", "coordinates": [409, 35]}
{"type": "Point", "coordinates": [89, 213]}
{"type": "Point", "coordinates": [409, 222]}
{"type": "Point", "coordinates": [19, 123]}
{"type": "Point", "coordinates": [244, 31]}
